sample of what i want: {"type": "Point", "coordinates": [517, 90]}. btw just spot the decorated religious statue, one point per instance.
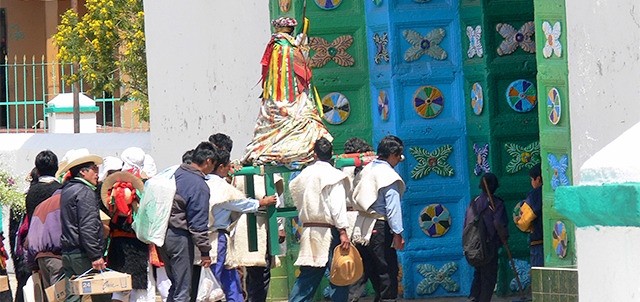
{"type": "Point", "coordinates": [288, 123]}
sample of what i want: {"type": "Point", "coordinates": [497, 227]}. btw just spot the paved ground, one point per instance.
{"type": "Point", "coordinates": [12, 281]}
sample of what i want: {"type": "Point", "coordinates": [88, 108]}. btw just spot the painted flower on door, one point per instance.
{"type": "Point", "coordinates": [336, 51]}
{"type": "Point", "coordinates": [435, 161]}
{"type": "Point", "coordinates": [482, 163]}
{"type": "Point", "coordinates": [434, 277]}
{"type": "Point", "coordinates": [381, 41]}
{"type": "Point", "coordinates": [516, 38]}
{"type": "Point", "coordinates": [522, 156]}
{"type": "Point", "coordinates": [559, 169]}
{"type": "Point", "coordinates": [475, 42]}
{"type": "Point", "coordinates": [428, 45]}
{"type": "Point", "coordinates": [552, 39]}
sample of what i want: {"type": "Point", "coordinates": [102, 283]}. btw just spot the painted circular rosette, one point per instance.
{"type": "Point", "coordinates": [336, 108]}
{"type": "Point", "coordinates": [554, 108]}
{"type": "Point", "coordinates": [477, 98]}
{"type": "Point", "coordinates": [521, 96]}
{"type": "Point", "coordinates": [328, 4]}
{"type": "Point", "coordinates": [560, 239]}
{"type": "Point", "coordinates": [428, 101]}
{"type": "Point", "coordinates": [383, 105]}
{"type": "Point", "coordinates": [296, 228]}
{"type": "Point", "coordinates": [435, 220]}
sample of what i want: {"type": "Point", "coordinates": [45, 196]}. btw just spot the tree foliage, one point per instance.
{"type": "Point", "coordinates": [108, 43]}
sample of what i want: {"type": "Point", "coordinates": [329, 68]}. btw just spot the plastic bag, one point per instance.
{"type": "Point", "coordinates": [209, 289]}
{"type": "Point", "coordinates": [153, 213]}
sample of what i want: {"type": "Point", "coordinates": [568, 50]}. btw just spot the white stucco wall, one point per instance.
{"type": "Point", "coordinates": [203, 62]}
{"type": "Point", "coordinates": [605, 271]}
{"type": "Point", "coordinates": [604, 72]}
{"type": "Point", "coordinates": [18, 151]}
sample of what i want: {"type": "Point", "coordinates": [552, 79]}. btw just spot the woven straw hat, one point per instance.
{"type": "Point", "coordinates": [346, 267]}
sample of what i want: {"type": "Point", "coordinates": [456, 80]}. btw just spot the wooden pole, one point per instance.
{"type": "Point", "coordinates": [76, 87]}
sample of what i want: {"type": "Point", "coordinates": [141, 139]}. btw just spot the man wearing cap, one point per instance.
{"type": "Point", "coordinates": [319, 193]}
{"type": "Point", "coordinates": [82, 232]}
{"type": "Point", "coordinates": [378, 229]}
{"type": "Point", "coordinates": [288, 123]}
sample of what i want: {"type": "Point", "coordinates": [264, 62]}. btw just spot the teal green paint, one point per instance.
{"type": "Point", "coordinates": [554, 139]}
{"type": "Point", "coordinates": [498, 124]}
{"type": "Point", "coordinates": [53, 109]}
{"type": "Point", "coordinates": [606, 205]}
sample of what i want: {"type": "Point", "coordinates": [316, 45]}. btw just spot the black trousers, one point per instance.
{"type": "Point", "coordinates": [177, 255]}
{"type": "Point", "coordinates": [257, 280]}
{"type": "Point", "coordinates": [381, 262]}
{"type": "Point", "coordinates": [484, 281]}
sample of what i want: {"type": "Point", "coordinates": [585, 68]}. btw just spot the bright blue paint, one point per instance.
{"type": "Point", "coordinates": [400, 79]}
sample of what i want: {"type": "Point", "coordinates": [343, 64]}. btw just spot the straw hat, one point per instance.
{"type": "Point", "coordinates": [76, 157]}
{"type": "Point", "coordinates": [121, 176]}
{"type": "Point", "coordinates": [346, 267]}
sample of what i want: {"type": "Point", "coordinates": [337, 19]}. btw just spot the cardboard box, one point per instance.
{"type": "Point", "coordinates": [101, 283]}
{"type": "Point", "coordinates": [57, 292]}
{"type": "Point", "coordinates": [4, 283]}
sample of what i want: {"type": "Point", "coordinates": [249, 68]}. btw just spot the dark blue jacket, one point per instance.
{"type": "Point", "coordinates": [82, 230]}
{"type": "Point", "coordinates": [495, 220]}
{"type": "Point", "coordinates": [190, 210]}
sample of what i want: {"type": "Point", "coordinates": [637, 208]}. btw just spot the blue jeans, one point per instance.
{"type": "Point", "coordinates": [229, 278]}
{"type": "Point", "coordinates": [537, 255]}
{"type": "Point", "coordinates": [309, 279]}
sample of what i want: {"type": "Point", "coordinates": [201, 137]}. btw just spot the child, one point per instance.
{"type": "Point", "coordinates": [530, 218]}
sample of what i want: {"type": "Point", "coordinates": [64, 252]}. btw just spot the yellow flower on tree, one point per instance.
{"type": "Point", "coordinates": [108, 43]}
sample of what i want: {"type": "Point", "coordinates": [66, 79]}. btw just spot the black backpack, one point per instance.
{"type": "Point", "coordinates": [477, 247]}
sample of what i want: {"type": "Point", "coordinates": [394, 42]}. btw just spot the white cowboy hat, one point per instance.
{"type": "Point", "coordinates": [76, 157]}
{"type": "Point", "coordinates": [109, 163]}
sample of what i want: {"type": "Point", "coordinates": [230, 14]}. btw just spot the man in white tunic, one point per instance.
{"type": "Point", "coordinates": [319, 193]}
{"type": "Point", "coordinates": [378, 229]}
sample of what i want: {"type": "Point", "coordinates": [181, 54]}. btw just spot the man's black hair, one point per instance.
{"type": "Point", "coordinates": [221, 141]}
{"type": "Point", "coordinates": [34, 175]}
{"type": "Point", "coordinates": [535, 171]}
{"type": "Point", "coordinates": [75, 171]}
{"type": "Point", "coordinates": [492, 182]}
{"type": "Point", "coordinates": [323, 149]}
{"type": "Point", "coordinates": [204, 151]}
{"type": "Point", "coordinates": [356, 145]}
{"type": "Point", "coordinates": [186, 157]}
{"type": "Point", "coordinates": [47, 163]}
{"type": "Point", "coordinates": [222, 157]}
{"type": "Point", "coordinates": [389, 145]}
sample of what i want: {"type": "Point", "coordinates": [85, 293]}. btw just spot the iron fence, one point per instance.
{"type": "Point", "coordinates": [27, 86]}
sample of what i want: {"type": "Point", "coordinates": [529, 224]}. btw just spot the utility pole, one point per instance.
{"type": "Point", "coordinates": [76, 87]}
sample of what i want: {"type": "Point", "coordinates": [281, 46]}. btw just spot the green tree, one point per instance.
{"type": "Point", "coordinates": [108, 43]}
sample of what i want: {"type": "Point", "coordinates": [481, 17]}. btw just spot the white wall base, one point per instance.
{"type": "Point", "coordinates": [608, 263]}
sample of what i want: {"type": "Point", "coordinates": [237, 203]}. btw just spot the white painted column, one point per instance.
{"type": "Point", "coordinates": [604, 71]}
{"type": "Point", "coordinates": [608, 263]}
{"type": "Point", "coordinates": [203, 62]}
